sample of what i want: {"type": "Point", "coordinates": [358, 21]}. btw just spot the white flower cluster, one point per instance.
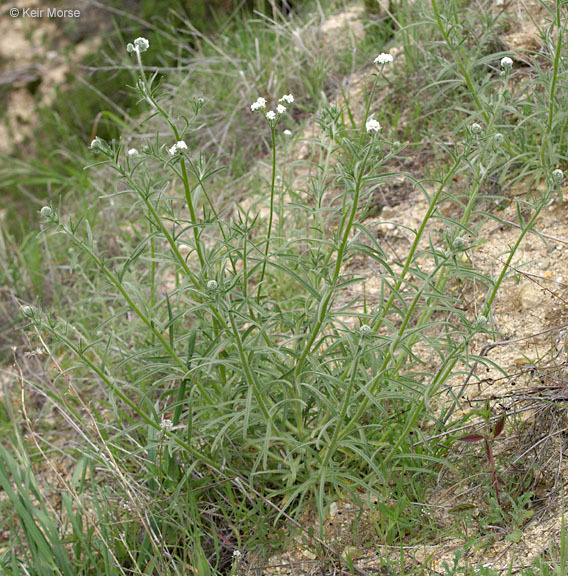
{"type": "Point", "coordinates": [383, 59]}
{"type": "Point", "coordinates": [506, 63]}
{"type": "Point", "coordinates": [177, 147]}
{"type": "Point", "coordinates": [132, 153]}
{"type": "Point", "coordinates": [166, 424]}
{"type": "Point", "coordinates": [140, 45]}
{"type": "Point", "coordinates": [260, 104]}
{"type": "Point", "coordinates": [372, 126]}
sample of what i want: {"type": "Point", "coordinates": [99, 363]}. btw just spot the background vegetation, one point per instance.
{"type": "Point", "coordinates": [199, 364]}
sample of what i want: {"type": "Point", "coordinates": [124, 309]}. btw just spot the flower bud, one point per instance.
{"type": "Point", "coordinates": [481, 321]}
{"type": "Point", "coordinates": [458, 244]}
{"type": "Point", "coordinates": [476, 128]}
{"type": "Point", "coordinates": [365, 330]}
{"type": "Point", "coordinates": [99, 145]}
{"type": "Point", "coordinates": [212, 285]}
{"type": "Point", "coordinates": [28, 311]}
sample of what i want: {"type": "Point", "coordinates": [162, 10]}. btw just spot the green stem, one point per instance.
{"type": "Point", "coordinates": [269, 233]}
{"type": "Point", "coordinates": [410, 258]}
{"type": "Point", "coordinates": [555, 70]}
{"type": "Point", "coordinates": [460, 58]}
{"type": "Point", "coordinates": [324, 305]}
{"type": "Point", "coordinates": [149, 323]}
{"type": "Point", "coordinates": [248, 372]}
{"type": "Point", "coordinates": [489, 302]}
{"type": "Point", "coordinates": [197, 454]}
{"type": "Point", "coordinates": [346, 400]}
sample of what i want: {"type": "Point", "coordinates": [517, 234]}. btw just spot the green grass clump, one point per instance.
{"type": "Point", "coordinates": [221, 367]}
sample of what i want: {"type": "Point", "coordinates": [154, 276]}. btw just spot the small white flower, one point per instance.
{"type": "Point", "coordinates": [181, 145]}
{"type": "Point", "coordinates": [237, 554]}
{"type": "Point", "coordinates": [260, 103]}
{"type": "Point", "coordinates": [280, 109]}
{"type": "Point", "coordinates": [212, 285]}
{"type": "Point", "coordinates": [132, 153]}
{"type": "Point", "coordinates": [558, 175]}
{"type": "Point", "coordinates": [287, 133]}
{"type": "Point", "coordinates": [271, 115]}
{"type": "Point", "coordinates": [141, 44]}
{"type": "Point", "coordinates": [46, 212]}
{"type": "Point", "coordinates": [476, 128]}
{"type": "Point", "coordinates": [365, 330]}
{"type": "Point", "coordinates": [166, 424]}
{"type": "Point", "coordinates": [172, 151]}
{"type": "Point", "coordinates": [372, 126]}
{"type": "Point", "coordinates": [287, 98]}
{"type": "Point", "coordinates": [506, 63]}
{"type": "Point", "coordinates": [383, 58]}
